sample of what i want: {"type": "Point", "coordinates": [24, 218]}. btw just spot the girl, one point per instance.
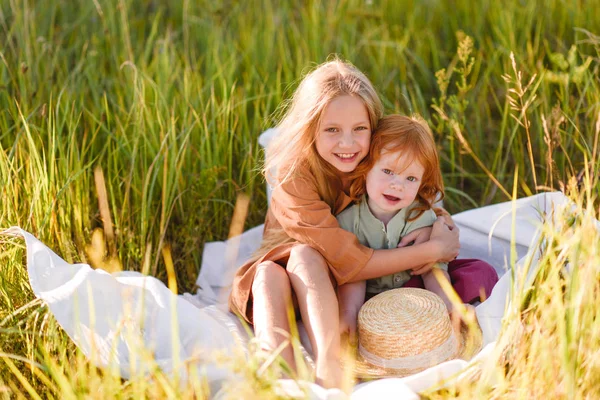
{"type": "Point", "coordinates": [396, 186]}
{"type": "Point", "coordinates": [323, 136]}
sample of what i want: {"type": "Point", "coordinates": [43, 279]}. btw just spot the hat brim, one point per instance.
{"type": "Point", "coordinates": [470, 343]}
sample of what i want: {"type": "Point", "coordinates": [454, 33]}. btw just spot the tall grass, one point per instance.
{"type": "Point", "coordinates": [168, 99]}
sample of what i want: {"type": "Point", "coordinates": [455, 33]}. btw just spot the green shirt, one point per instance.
{"type": "Point", "coordinates": [371, 232]}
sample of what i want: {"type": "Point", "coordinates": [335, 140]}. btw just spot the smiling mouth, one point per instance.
{"type": "Point", "coordinates": [346, 157]}
{"type": "Point", "coordinates": [392, 199]}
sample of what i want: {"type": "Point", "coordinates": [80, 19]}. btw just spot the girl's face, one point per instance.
{"type": "Point", "coordinates": [393, 183]}
{"type": "Point", "coordinates": [344, 133]}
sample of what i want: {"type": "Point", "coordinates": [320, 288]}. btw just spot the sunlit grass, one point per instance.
{"type": "Point", "coordinates": [168, 99]}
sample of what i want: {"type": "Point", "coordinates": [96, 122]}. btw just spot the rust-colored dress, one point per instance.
{"type": "Point", "coordinates": [297, 208]}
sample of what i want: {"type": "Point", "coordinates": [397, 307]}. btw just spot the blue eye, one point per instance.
{"type": "Point", "coordinates": [387, 171]}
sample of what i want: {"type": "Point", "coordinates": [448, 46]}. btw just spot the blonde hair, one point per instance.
{"type": "Point", "coordinates": [294, 144]}
{"type": "Point", "coordinates": [411, 136]}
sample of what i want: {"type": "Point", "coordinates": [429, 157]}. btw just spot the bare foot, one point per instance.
{"type": "Point", "coordinates": [329, 373]}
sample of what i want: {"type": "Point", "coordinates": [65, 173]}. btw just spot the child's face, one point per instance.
{"type": "Point", "coordinates": [344, 133]}
{"type": "Point", "coordinates": [393, 183]}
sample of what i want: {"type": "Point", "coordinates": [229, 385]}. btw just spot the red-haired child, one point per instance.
{"type": "Point", "coordinates": [396, 187]}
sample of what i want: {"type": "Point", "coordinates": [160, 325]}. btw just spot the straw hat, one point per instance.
{"type": "Point", "coordinates": [404, 331]}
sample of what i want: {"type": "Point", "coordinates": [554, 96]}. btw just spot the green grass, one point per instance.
{"type": "Point", "coordinates": [168, 98]}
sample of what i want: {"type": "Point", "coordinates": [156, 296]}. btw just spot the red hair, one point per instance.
{"type": "Point", "coordinates": [411, 136]}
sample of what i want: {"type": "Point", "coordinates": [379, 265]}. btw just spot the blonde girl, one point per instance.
{"type": "Point", "coordinates": [323, 136]}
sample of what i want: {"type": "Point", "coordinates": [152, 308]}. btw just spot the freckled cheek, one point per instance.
{"type": "Point", "coordinates": [384, 183]}
{"type": "Point", "coordinates": [414, 190]}
{"type": "Point", "coordinates": [373, 185]}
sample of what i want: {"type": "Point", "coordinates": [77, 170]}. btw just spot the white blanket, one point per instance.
{"type": "Point", "coordinates": [109, 316]}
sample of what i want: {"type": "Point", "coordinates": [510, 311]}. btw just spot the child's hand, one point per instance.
{"type": "Point", "coordinates": [440, 212]}
{"type": "Point", "coordinates": [464, 315]}
{"type": "Point", "coordinates": [417, 236]}
{"type": "Point", "coordinates": [423, 269]}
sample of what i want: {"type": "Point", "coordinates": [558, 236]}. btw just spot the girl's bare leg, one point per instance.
{"type": "Point", "coordinates": [318, 304]}
{"type": "Point", "coordinates": [272, 295]}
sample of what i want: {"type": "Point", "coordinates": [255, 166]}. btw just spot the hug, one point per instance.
{"type": "Point", "coordinates": [352, 215]}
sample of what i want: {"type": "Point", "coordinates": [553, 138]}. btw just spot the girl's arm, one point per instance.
{"type": "Point", "coordinates": [302, 214]}
{"type": "Point", "coordinates": [298, 208]}
{"type": "Point", "coordinates": [442, 246]}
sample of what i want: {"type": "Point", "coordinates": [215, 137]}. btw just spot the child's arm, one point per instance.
{"type": "Point", "coordinates": [420, 230]}
{"type": "Point", "coordinates": [417, 236]}
{"type": "Point", "coordinates": [421, 235]}
{"type": "Point", "coordinates": [430, 280]}
{"type": "Point", "coordinates": [459, 315]}
{"type": "Point", "coordinates": [351, 297]}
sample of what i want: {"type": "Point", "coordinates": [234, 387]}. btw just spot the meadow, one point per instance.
{"type": "Point", "coordinates": [149, 112]}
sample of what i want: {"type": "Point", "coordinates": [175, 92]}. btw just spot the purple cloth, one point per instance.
{"type": "Point", "coordinates": [469, 277]}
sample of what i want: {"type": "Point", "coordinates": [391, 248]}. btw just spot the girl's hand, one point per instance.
{"type": "Point", "coordinates": [445, 238]}
{"type": "Point", "coordinates": [440, 212]}
{"type": "Point", "coordinates": [417, 236]}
